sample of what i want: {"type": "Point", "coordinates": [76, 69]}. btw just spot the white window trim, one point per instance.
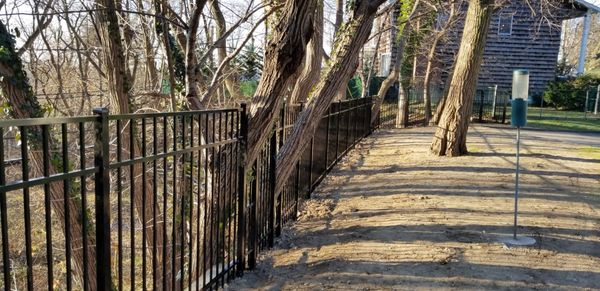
{"type": "Point", "coordinates": [502, 15]}
{"type": "Point", "coordinates": [385, 64]}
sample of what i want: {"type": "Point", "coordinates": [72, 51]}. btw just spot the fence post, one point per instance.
{"type": "Point", "coordinates": [297, 189]}
{"type": "Point", "coordinates": [327, 137]}
{"type": "Point", "coordinates": [504, 109]}
{"type": "Point", "coordinates": [274, 198]}
{"type": "Point", "coordinates": [368, 127]}
{"type": "Point", "coordinates": [102, 199]}
{"type": "Point", "coordinates": [252, 235]}
{"type": "Point", "coordinates": [282, 132]}
{"type": "Point", "coordinates": [310, 169]}
{"type": "Point", "coordinates": [481, 106]}
{"type": "Point", "coordinates": [241, 190]}
{"type": "Point", "coordinates": [337, 130]}
{"type": "Point", "coordinates": [4, 218]}
{"type": "Point", "coordinates": [494, 117]}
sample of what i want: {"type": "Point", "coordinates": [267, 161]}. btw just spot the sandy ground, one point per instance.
{"type": "Point", "coordinates": [393, 217]}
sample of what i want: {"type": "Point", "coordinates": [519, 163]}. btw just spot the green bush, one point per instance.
{"type": "Point", "coordinates": [570, 94]}
{"type": "Point", "coordinates": [248, 88]}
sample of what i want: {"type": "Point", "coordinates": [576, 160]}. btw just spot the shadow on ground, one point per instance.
{"type": "Point", "coordinates": [391, 216]}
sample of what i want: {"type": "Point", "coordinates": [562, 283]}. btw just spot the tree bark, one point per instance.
{"type": "Point", "coordinates": [119, 91]}
{"type": "Point", "coordinates": [191, 66]}
{"type": "Point", "coordinates": [309, 76]}
{"type": "Point", "coordinates": [350, 41]}
{"type": "Point", "coordinates": [403, 103]}
{"type": "Point", "coordinates": [339, 17]}
{"type": "Point", "coordinates": [284, 55]}
{"type": "Point", "coordinates": [451, 135]}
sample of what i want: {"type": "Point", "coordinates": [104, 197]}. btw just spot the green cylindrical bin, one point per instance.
{"type": "Point", "coordinates": [518, 116]}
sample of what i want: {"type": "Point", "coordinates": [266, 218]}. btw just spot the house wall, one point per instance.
{"type": "Point", "coordinates": [533, 45]}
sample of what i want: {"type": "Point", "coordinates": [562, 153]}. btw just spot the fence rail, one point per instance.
{"type": "Point", "coordinates": [153, 200]}
{"type": "Point", "coordinates": [489, 105]}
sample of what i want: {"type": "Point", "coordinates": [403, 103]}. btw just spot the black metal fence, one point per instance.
{"type": "Point", "coordinates": [489, 105]}
{"type": "Point", "coordinates": [151, 201]}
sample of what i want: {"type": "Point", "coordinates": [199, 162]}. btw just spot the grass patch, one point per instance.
{"type": "Point", "coordinates": [589, 152]}
{"type": "Point", "coordinates": [562, 120]}
{"type": "Point", "coordinates": [565, 124]}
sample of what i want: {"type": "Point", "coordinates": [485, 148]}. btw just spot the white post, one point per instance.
{"type": "Point", "coordinates": [584, 40]}
{"type": "Point", "coordinates": [597, 97]}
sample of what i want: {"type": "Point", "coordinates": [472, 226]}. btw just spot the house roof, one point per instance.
{"type": "Point", "coordinates": [594, 5]}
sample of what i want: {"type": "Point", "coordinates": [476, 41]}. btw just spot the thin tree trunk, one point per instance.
{"type": "Point", "coordinates": [430, 58]}
{"type": "Point", "coordinates": [164, 28]}
{"type": "Point", "coordinates": [403, 103]}
{"type": "Point", "coordinates": [344, 58]}
{"type": "Point", "coordinates": [230, 80]}
{"type": "Point", "coordinates": [395, 73]}
{"type": "Point", "coordinates": [191, 66]}
{"type": "Point", "coordinates": [451, 136]}
{"type": "Point", "coordinates": [339, 17]}
{"type": "Point", "coordinates": [366, 90]}
{"type": "Point", "coordinates": [150, 65]}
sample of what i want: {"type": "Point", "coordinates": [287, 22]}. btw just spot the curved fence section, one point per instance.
{"type": "Point", "coordinates": [152, 201]}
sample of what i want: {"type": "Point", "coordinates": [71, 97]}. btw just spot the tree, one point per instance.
{"type": "Point", "coordinates": [230, 80]}
{"type": "Point", "coordinates": [348, 44]}
{"type": "Point", "coordinates": [249, 62]}
{"type": "Point", "coordinates": [438, 34]}
{"type": "Point", "coordinates": [407, 12]}
{"type": "Point", "coordinates": [24, 104]}
{"type": "Point", "coordinates": [311, 70]}
{"type": "Point", "coordinates": [284, 54]}
{"type": "Point", "coordinates": [451, 135]}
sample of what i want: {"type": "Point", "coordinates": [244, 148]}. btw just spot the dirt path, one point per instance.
{"type": "Point", "coordinates": [391, 216]}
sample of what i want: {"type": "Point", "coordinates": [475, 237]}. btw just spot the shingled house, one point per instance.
{"type": "Point", "coordinates": [517, 38]}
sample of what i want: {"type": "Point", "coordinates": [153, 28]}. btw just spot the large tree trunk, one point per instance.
{"type": "Point", "coordinates": [451, 136]}
{"type": "Point", "coordinates": [15, 87]}
{"type": "Point", "coordinates": [284, 55]}
{"type": "Point", "coordinates": [394, 75]}
{"type": "Point", "coordinates": [309, 76]}
{"type": "Point", "coordinates": [119, 91]}
{"type": "Point", "coordinates": [350, 41]}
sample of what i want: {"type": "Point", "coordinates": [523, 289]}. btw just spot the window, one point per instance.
{"type": "Point", "coordinates": [384, 65]}
{"type": "Point", "coordinates": [441, 19]}
{"type": "Point", "coordinates": [505, 24]}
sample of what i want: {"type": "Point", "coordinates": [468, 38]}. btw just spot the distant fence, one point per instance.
{"type": "Point", "coordinates": [489, 105]}
{"type": "Point", "coordinates": [152, 201]}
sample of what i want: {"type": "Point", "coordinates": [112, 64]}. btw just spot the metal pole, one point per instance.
{"type": "Point", "coordinates": [517, 183]}
{"type": "Point", "coordinates": [102, 200]}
